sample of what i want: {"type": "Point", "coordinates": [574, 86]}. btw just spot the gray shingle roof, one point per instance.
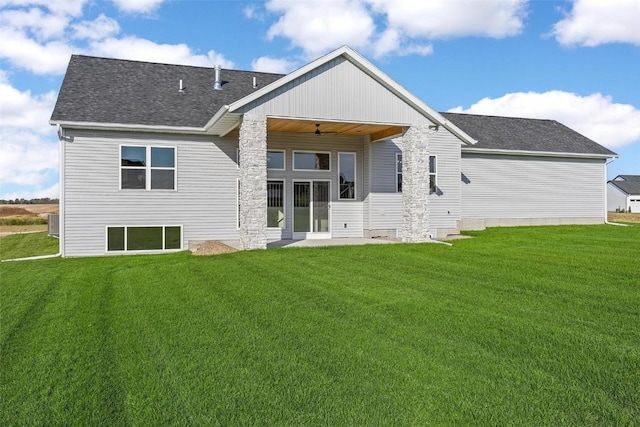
{"type": "Point", "coordinates": [630, 185]}
{"type": "Point", "coordinates": [508, 133]}
{"type": "Point", "coordinates": [101, 90]}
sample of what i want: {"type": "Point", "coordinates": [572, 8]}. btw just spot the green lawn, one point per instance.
{"type": "Point", "coordinates": [518, 326]}
{"type": "Point", "coordinates": [27, 245]}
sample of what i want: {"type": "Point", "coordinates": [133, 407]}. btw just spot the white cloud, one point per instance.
{"type": "Point", "coordinates": [21, 109]}
{"type": "Point", "coordinates": [145, 50]}
{"type": "Point", "coordinates": [435, 19]}
{"type": "Point", "coordinates": [405, 28]}
{"type": "Point", "coordinates": [41, 24]}
{"type": "Point", "coordinates": [40, 36]}
{"type": "Point", "coordinates": [66, 7]}
{"type": "Point", "coordinates": [318, 26]}
{"type": "Point", "coordinates": [267, 64]}
{"type": "Point", "coordinates": [595, 116]}
{"type": "Point", "coordinates": [52, 192]}
{"type": "Point", "coordinates": [99, 28]}
{"type": "Point", "coordinates": [138, 6]}
{"type": "Point", "coordinates": [40, 58]}
{"type": "Point", "coordinates": [595, 22]}
{"type": "Point", "coordinates": [27, 159]}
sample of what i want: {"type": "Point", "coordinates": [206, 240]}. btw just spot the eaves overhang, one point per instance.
{"type": "Point", "coordinates": [493, 151]}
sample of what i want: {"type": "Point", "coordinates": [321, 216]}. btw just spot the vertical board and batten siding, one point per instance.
{"type": "Point", "coordinates": [337, 90]}
{"type": "Point", "coordinates": [385, 204]}
{"type": "Point", "coordinates": [342, 212]}
{"type": "Point", "coordinates": [616, 198]}
{"type": "Point", "coordinates": [205, 202]}
{"type": "Point", "coordinates": [511, 190]}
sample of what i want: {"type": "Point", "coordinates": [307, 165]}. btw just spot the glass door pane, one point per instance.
{"type": "Point", "coordinates": [301, 207]}
{"type": "Point", "coordinates": [321, 206]}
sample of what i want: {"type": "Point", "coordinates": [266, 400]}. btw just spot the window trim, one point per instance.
{"type": "Point", "coordinates": [284, 203]}
{"type": "Point", "coordinates": [434, 174]}
{"type": "Point", "coordinates": [284, 160]}
{"type": "Point", "coordinates": [148, 168]}
{"type": "Point", "coordinates": [398, 173]}
{"type": "Point", "coordinates": [293, 161]}
{"type": "Point", "coordinates": [355, 175]}
{"type": "Point", "coordinates": [134, 251]}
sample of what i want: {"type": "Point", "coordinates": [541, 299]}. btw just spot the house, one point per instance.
{"type": "Point", "coordinates": [153, 156]}
{"type": "Point", "coordinates": [623, 193]}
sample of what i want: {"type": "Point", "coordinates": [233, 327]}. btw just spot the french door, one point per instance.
{"type": "Point", "coordinates": [311, 217]}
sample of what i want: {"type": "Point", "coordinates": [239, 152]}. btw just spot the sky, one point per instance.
{"type": "Point", "coordinates": [574, 61]}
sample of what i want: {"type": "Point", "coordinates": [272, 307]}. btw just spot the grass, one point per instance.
{"type": "Point", "coordinates": [23, 221]}
{"type": "Point", "coordinates": [533, 326]}
{"type": "Point", "coordinates": [27, 245]}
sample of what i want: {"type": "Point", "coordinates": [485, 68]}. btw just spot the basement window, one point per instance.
{"type": "Point", "coordinates": [151, 238]}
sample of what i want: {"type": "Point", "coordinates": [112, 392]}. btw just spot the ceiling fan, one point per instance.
{"type": "Point", "coordinates": [320, 133]}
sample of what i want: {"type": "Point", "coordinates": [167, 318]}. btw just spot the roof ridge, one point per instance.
{"type": "Point", "coordinates": [500, 117]}
{"type": "Point", "coordinates": [137, 61]}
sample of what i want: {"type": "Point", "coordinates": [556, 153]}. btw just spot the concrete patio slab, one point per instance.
{"type": "Point", "coordinates": [308, 243]}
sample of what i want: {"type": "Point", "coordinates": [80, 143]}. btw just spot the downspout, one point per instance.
{"type": "Point", "coordinates": [606, 212]}
{"type": "Point", "coordinates": [32, 258]}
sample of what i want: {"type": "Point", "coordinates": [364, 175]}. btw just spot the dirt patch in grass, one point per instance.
{"type": "Point", "coordinates": [37, 209]}
{"type": "Point", "coordinates": [14, 211]}
{"type": "Point", "coordinates": [211, 247]}
{"type": "Point", "coordinates": [623, 217]}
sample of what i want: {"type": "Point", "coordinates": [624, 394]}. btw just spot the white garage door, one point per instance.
{"type": "Point", "coordinates": [634, 204]}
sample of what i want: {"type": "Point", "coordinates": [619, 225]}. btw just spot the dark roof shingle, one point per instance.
{"type": "Point", "coordinates": [101, 90]}
{"type": "Point", "coordinates": [630, 184]}
{"type": "Point", "coordinates": [508, 133]}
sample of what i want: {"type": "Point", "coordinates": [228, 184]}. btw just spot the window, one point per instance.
{"type": "Point", "coordinates": [399, 172]}
{"type": "Point", "coordinates": [311, 161]}
{"type": "Point", "coordinates": [275, 159]}
{"type": "Point", "coordinates": [275, 204]}
{"type": "Point", "coordinates": [147, 168]}
{"type": "Point", "coordinates": [153, 238]}
{"type": "Point", "coordinates": [432, 174]}
{"type": "Point", "coordinates": [347, 172]}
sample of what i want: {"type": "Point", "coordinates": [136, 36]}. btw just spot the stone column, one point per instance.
{"type": "Point", "coordinates": [253, 182]}
{"type": "Point", "coordinates": [415, 184]}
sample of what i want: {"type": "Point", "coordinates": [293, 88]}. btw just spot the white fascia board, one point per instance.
{"type": "Point", "coordinates": [126, 127]}
{"type": "Point", "coordinates": [369, 69]}
{"type": "Point", "coordinates": [536, 153]}
{"type": "Point", "coordinates": [216, 117]}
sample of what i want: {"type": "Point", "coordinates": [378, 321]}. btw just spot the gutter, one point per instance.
{"type": "Point", "coordinates": [496, 151]}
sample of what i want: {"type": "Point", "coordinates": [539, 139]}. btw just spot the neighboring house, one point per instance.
{"type": "Point", "coordinates": [623, 193]}
{"type": "Point", "coordinates": [153, 156]}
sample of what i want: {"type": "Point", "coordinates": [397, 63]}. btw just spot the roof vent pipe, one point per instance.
{"type": "Point", "coordinates": [217, 85]}
{"type": "Point", "coordinates": [255, 82]}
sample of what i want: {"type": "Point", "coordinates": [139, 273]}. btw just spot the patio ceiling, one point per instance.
{"type": "Point", "coordinates": [377, 131]}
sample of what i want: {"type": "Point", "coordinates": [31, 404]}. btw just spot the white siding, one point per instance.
{"type": "Point", "coordinates": [337, 90]}
{"type": "Point", "coordinates": [512, 190]}
{"type": "Point", "coordinates": [616, 198]}
{"type": "Point", "coordinates": [204, 203]}
{"type": "Point", "coordinates": [385, 204]}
